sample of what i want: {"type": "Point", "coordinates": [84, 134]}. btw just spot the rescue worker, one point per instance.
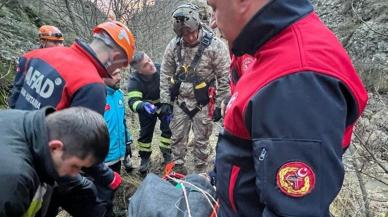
{"type": "Point", "coordinates": [50, 36]}
{"type": "Point", "coordinates": [195, 66]}
{"type": "Point", "coordinates": [296, 97]}
{"type": "Point", "coordinates": [72, 76]}
{"type": "Point", "coordinates": [38, 147]}
{"type": "Point", "coordinates": [120, 138]}
{"type": "Point", "coordinates": [144, 98]}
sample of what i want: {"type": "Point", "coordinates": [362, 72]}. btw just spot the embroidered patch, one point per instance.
{"type": "Point", "coordinates": [295, 179]}
{"type": "Point", "coordinates": [107, 107]}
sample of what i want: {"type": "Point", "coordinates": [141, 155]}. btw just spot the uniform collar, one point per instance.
{"type": "Point", "coordinates": [85, 49]}
{"type": "Point", "coordinates": [269, 21]}
{"type": "Point", "coordinates": [37, 136]}
{"type": "Point", "coordinates": [110, 90]}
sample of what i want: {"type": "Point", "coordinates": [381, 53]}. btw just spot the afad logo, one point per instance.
{"type": "Point", "coordinates": [295, 179]}
{"type": "Point", "coordinates": [123, 35]}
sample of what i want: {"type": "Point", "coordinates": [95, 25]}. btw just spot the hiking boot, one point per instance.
{"type": "Point", "coordinates": [180, 168]}
{"type": "Point", "coordinates": [145, 165]}
{"type": "Point", "coordinates": [166, 157]}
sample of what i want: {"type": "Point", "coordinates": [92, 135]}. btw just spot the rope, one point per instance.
{"type": "Point", "coordinates": [205, 193]}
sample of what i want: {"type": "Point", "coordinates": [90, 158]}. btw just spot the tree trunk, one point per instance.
{"type": "Point", "coordinates": [71, 15]}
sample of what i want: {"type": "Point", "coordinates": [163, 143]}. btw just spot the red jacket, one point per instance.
{"type": "Point", "coordinates": [60, 77]}
{"type": "Point", "coordinates": [295, 98]}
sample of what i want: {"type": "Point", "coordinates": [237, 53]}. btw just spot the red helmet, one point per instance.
{"type": "Point", "coordinates": [50, 33]}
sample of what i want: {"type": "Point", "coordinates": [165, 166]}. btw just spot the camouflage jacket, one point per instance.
{"type": "Point", "coordinates": [213, 65]}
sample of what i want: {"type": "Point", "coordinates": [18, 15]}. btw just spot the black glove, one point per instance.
{"type": "Point", "coordinates": [146, 107]}
{"type": "Point", "coordinates": [165, 109]}
{"type": "Point", "coordinates": [217, 114]}
{"type": "Point", "coordinates": [127, 160]}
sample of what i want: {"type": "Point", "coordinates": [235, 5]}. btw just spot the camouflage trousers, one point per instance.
{"type": "Point", "coordinates": [181, 125]}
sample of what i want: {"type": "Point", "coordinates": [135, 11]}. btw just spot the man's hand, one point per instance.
{"type": "Point", "coordinates": [217, 114]}
{"type": "Point", "coordinates": [165, 109]}
{"type": "Point", "coordinates": [224, 105]}
{"type": "Point", "coordinates": [147, 107]}
{"type": "Point", "coordinates": [116, 182]}
{"type": "Point", "coordinates": [168, 118]}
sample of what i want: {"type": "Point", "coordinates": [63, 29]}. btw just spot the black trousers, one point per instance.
{"type": "Point", "coordinates": [147, 127]}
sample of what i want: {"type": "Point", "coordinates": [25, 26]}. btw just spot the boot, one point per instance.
{"type": "Point", "coordinates": [180, 168]}
{"type": "Point", "coordinates": [145, 162]}
{"type": "Point", "coordinates": [145, 165]}
{"type": "Point", "coordinates": [166, 153]}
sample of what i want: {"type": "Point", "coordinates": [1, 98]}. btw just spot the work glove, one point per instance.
{"type": "Point", "coordinates": [116, 182]}
{"type": "Point", "coordinates": [168, 118]}
{"type": "Point", "coordinates": [217, 114]}
{"type": "Point", "coordinates": [147, 107]}
{"type": "Point", "coordinates": [165, 109]}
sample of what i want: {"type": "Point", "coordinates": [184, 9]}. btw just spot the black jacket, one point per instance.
{"type": "Point", "coordinates": [141, 88]}
{"type": "Point", "coordinates": [25, 162]}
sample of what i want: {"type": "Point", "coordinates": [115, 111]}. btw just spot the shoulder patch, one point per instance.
{"type": "Point", "coordinates": [295, 179]}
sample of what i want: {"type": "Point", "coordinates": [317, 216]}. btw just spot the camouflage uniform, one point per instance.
{"type": "Point", "coordinates": [214, 64]}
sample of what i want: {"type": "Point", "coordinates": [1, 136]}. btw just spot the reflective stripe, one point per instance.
{"type": "Point", "coordinates": [154, 101]}
{"type": "Point", "coordinates": [165, 140]}
{"type": "Point", "coordinates": [36, 202]}
{"type": "Point", "coordinates": [144, 146]}
{"type": "Point", "coordinates": [165, 146]}
{"type": "Point", "coordinates": [135, 93]}
{"type": "Point", "coordinates": [135, 104]}
{"type": "Point", "coordinates": [144, 149]}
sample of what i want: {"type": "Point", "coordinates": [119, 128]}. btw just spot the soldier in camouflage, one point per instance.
{"type": "Point", "coordinates": [193, 83]}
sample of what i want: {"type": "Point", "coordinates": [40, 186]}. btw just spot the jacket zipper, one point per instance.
{"type": "Point", "coordinates": [263, 154]}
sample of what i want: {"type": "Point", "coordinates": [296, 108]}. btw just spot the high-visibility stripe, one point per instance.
{"type": "Point", "coordinates": [135, 104]}
{"type": "Point", "coordinates": [36, 202]}
{"type": "Point", "coordinates": [144, 149]}
{"type": "Point", "coordinates": [165, 146]}
{"type": "Point", "coordinates": [165, 140]}
{"type": "Point", "coordinates": [154, 101]}
{"type": "Point", "coordinates": [144, 146]}
{"type": "Point", "coordinates": [135, 93]}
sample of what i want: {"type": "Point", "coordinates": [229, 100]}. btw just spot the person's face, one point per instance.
{"type": "Point", "coordinates": [116, 59]}
{"type": "Point", "coordinates": [114, 82]}
{"type": "Point", "coordinates": [47, 43]}
{"type": "Point", "coordinates": [226, 16]}
{"type": "Point", "coordinates": [67, 165]}
{"type": "Point", "coordinates": [191, 38]}
{"type": "Point", "coordinates": [146, 66]}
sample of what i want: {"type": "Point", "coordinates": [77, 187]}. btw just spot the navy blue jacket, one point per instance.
{"type": "Point", "coordinates": [295, 99]}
